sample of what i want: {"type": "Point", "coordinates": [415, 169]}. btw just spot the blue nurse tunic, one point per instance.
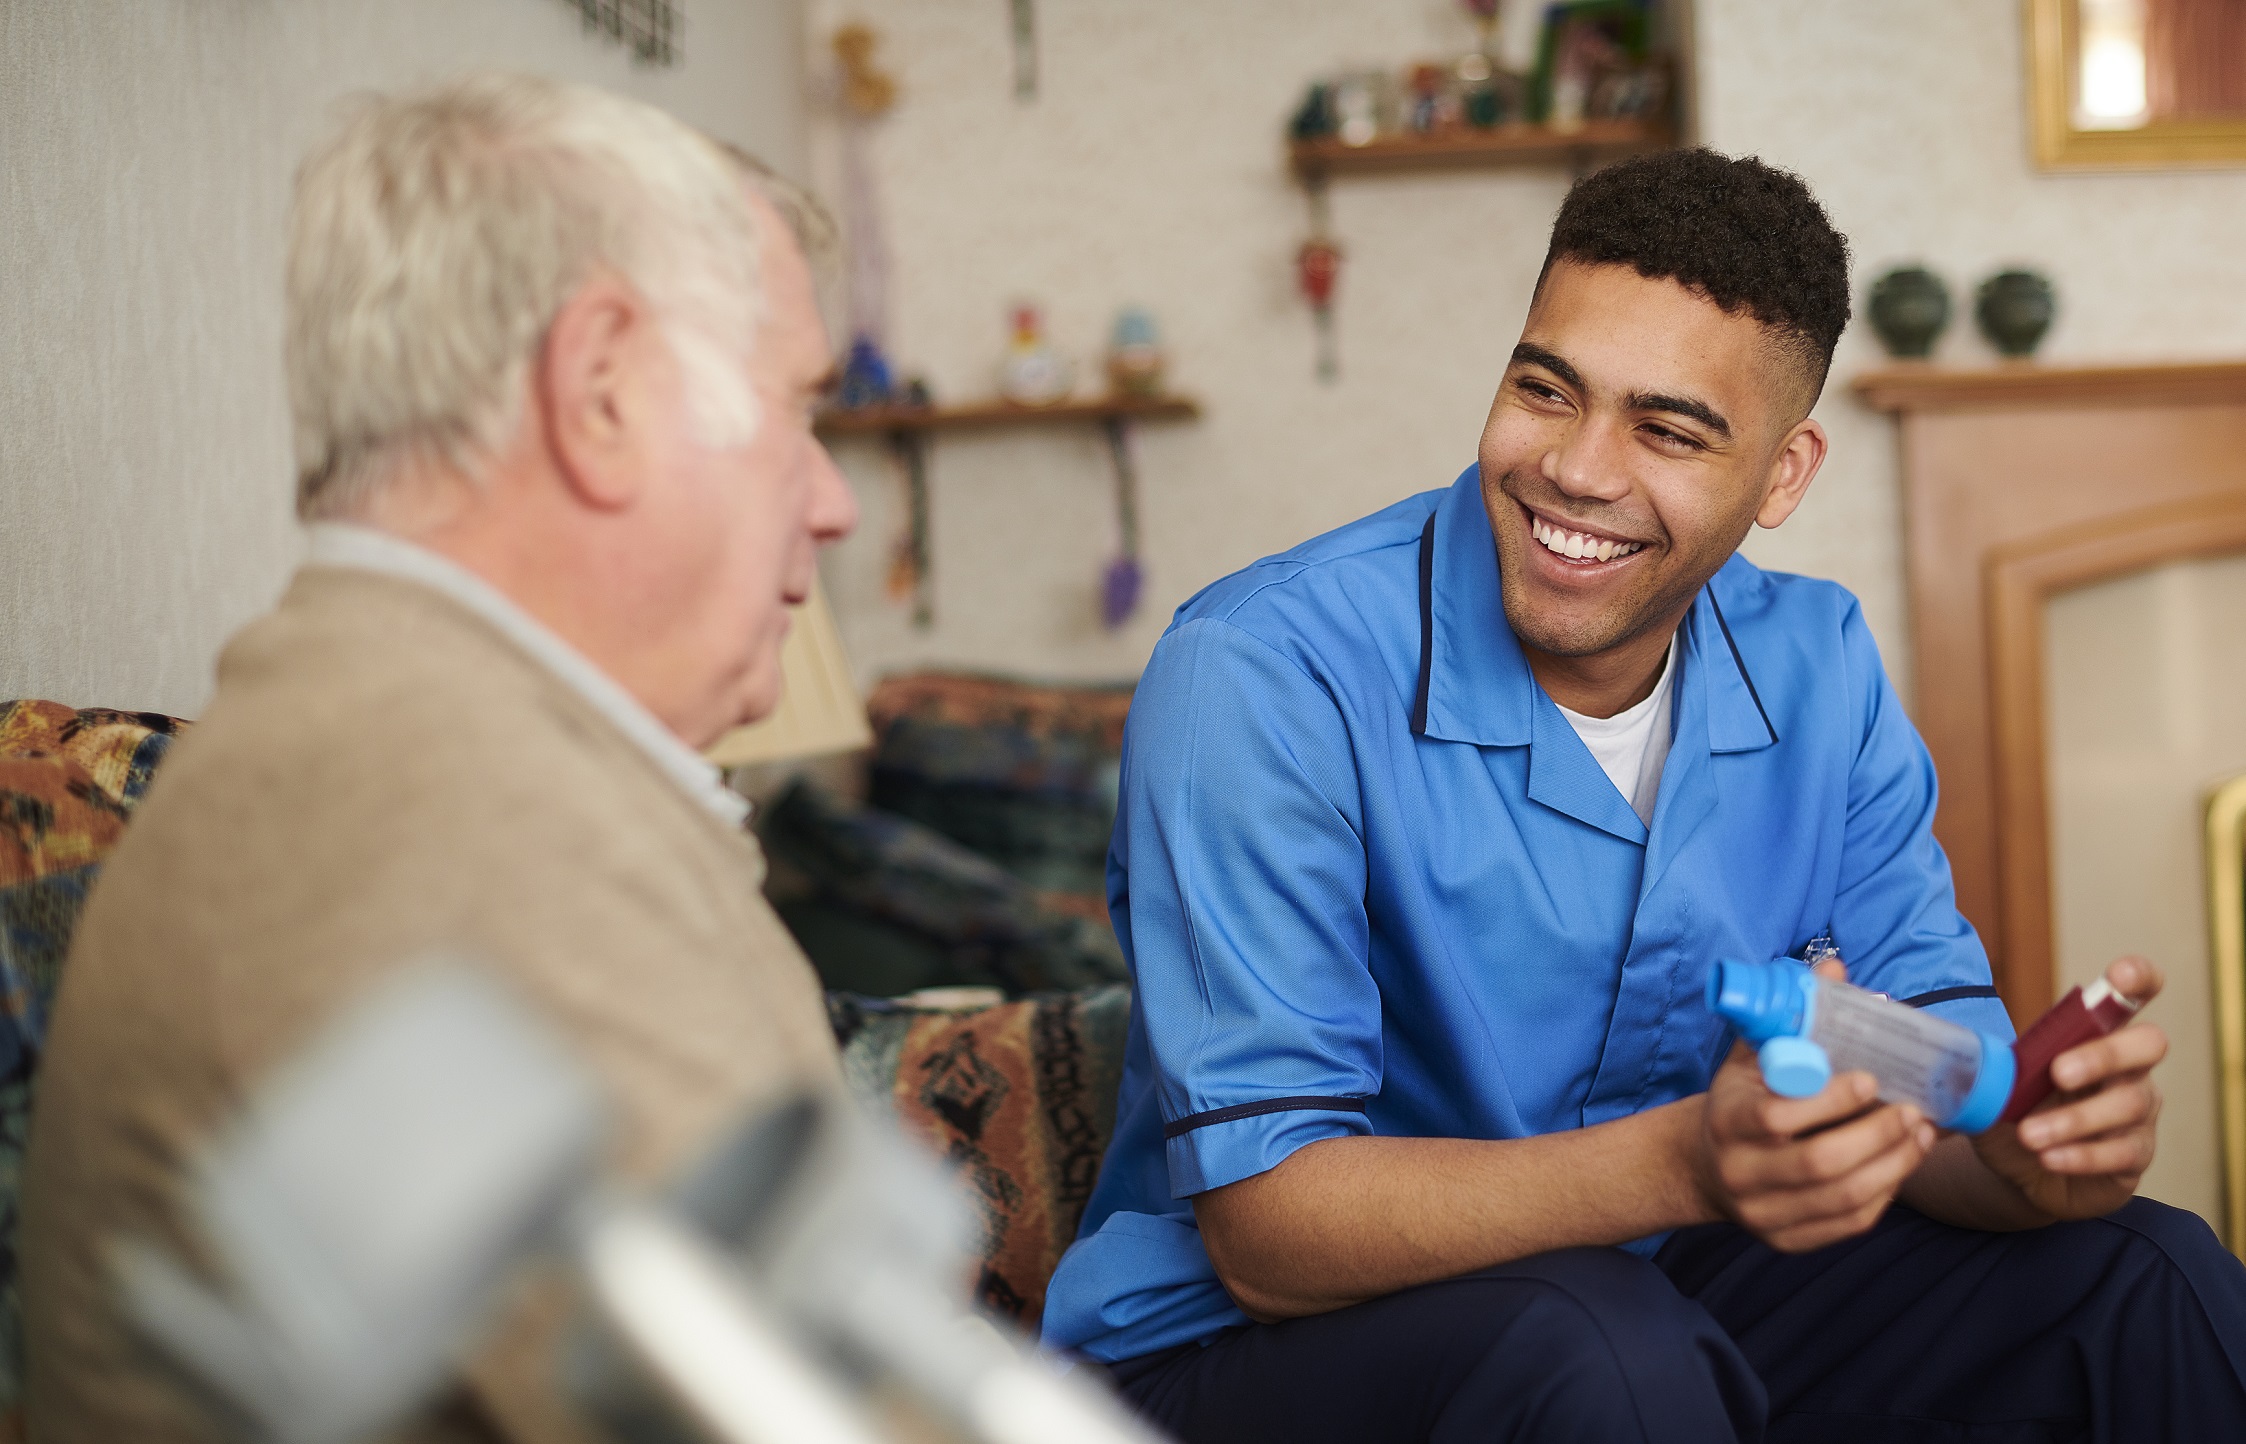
{"type": "Point", "coordinates": [1370, 881]}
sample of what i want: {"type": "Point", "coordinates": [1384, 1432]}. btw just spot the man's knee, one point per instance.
{"type": "Point", "coordinates": [2175, 1251]}
{"type": "Point", "coordinates": [1606, 1348]}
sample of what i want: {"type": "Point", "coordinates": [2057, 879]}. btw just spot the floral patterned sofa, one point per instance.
{"type": "Point", "coordinates": [1020, 1095]}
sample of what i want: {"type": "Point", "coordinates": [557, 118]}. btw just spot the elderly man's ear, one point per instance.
{"type": "Point", "coordinates": [601, 380]}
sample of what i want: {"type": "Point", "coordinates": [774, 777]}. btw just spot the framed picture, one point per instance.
{"type": "Point", "coordinates": [2137, 84]}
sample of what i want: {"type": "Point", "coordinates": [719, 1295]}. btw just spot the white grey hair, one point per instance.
{"type": "Point", "coordinates": [434, 239]}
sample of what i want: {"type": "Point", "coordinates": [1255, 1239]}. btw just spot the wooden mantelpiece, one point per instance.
{"type": "Point", "coordinates": [1916, 388]}
{"type": "Point", "coordinates": [2021, 482]}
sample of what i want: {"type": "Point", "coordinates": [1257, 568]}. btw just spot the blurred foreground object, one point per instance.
{"type": "Point", "coordinates": [371, 1207]}
{"type": "Point", "coordinates": [364, 1219]}
{"type": "Point", "coordinates": [820, 710]}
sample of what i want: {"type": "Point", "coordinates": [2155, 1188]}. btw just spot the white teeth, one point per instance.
{"type": "Point", "coordinates": [1578, 545]}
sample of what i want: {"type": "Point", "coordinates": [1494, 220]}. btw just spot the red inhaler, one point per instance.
{"type": "Point", "coordinates": [2083, 1014]}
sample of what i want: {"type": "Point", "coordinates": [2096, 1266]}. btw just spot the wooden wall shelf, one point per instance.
{"type": "Point", "coordinates": [886, 420]}
{"type": "Point", "coordinates": [1511, 145]}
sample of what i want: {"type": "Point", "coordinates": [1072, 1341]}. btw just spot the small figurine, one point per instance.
{"type": "Point", "coordinates": [1034, 374]}
{"type": "Point", "coordinates": [1488, 96]}
{"type": "Point", "coordinates": [1134, 357]}
{"type": "Point", "coordinates": [1315, 118]}
{"type": "Point", "coordinates": [1432, 107]}
{"type": "Point", "coordinates": [866, 379]}
{"type": "Point", "coordinates": [1364, 106]}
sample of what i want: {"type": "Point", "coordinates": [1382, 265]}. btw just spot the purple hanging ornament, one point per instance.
{"type": "Point", "coordinates": [1120, 583]}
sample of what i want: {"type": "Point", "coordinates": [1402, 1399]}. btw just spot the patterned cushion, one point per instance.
{"type": "Point", "coordinates": [1020, 1097]}
{"type": "Point", "coordinates": [69, 780]}
{"type": "Point", "coordinates": [1023, 773]}
{"type": "Point", "coordinates": [893, 907]}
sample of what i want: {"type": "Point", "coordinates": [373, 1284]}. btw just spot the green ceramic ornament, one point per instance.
{"type": "Point", "coordinates": [2014, 309]}
{"type": "Point", "coordinates": [1909, 308]}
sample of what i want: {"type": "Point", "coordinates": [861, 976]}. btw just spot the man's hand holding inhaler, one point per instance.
{"type": "Point", "coordinates": [1801, 1173]}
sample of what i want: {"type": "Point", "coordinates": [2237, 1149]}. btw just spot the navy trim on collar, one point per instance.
{"type": "Point", "coordinates": [1479, 687]}
{"type": "Point", "coordinates": [1741, 663]}
{"type": "Point", "coordinates": [1426, 624]}
{"type": "Point", "coordinates": [1474, 683]}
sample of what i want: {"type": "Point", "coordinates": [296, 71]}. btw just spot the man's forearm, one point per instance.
{"type": "Point", "coordinates": [1956, 1187]}
{"type": "Point", "coordinates": [1349, 1219]}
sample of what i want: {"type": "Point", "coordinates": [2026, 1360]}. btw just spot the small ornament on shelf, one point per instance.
{"type": "Point", "coordinates": [1314, 119]}
{"type": "Point", "coordinates": [1364, 104]}
{"type": "Point", "coordinates": [1135, 362]}
{"type": "Point", "coordinates": [1433, 104]}
{"type": "Point", "coordinates": [2014, 309]}
{"type": "Point", "coordinates": [866, 377]}
{"type": "Point", "coordinates": [1488, 97]}
{"type": "Point", "coordinates": [1909, 308]}
{"type": "Point", "coordinates": [1033, 373]}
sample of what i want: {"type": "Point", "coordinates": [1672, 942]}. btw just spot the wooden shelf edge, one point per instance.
{"type": "Point", "coordinates": [1908, 387]}
{"type": "Point", "coordinates": [881, 420]}
{"type": "Point", "coordinates": [1506, 145]}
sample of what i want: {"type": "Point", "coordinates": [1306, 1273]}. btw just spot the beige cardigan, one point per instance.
{"type": "Point", "coordinates": [380, 773]}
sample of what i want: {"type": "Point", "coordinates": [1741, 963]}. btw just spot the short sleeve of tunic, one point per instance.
{"type": "Point", "coordinates": [1895, 909]}
{"type": "Point", "coordinates": [1241, 834]}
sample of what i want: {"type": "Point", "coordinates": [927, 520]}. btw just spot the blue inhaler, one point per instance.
{"type": "Point", "coordinates": [1807, 1028]}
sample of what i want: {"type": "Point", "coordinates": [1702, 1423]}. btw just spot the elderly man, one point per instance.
{"type": "Point", "coordinates": [552, 363]}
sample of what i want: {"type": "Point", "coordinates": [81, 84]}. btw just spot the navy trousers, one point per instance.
{"type": "Point", "coordinates": [2130, 1327]}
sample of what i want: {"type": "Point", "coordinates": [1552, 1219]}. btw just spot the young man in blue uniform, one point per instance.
{"type": "Point", "coordinates": [1431, 829]}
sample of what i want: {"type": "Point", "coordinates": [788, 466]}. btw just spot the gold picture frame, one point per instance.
{"type": "Point", "coordinates": [2053, 44]}
{"type": "Point", "coordinates": [2226, 924]}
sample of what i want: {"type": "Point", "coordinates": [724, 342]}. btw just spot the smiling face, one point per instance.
{"type": "Point", "coordinates": [1639, 431]}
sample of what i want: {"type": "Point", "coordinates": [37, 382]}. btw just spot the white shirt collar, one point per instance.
{"type": "Point", "coordinates": [336, 544]}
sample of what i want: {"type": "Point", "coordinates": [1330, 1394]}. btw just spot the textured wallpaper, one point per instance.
{"type": "Point", "coordinates": [1149, 171]}
{"type": "Point", "coordinates": [145, 156]}
{"type": "Point", "coordinates": [144, 159]}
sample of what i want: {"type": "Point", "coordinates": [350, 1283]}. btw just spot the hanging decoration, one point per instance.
{"type": "Point", "coordinates": [1485, 20]}
{"type": "Point", "coordinates": [865, 93]}
{"type": "Point", "coordinates": [1025, 50]}
{"type": "Point", "coordinates": [1121, 582]}
{"type": "Point", "coordinates": [647, 28]}
{"type": "Point", "coordinates": [1317, 271]}
{"type": "Point", "coordinates": [910, 578]}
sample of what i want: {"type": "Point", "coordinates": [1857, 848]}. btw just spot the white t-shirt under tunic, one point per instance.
{"type": "Point", "coordinates": [1632, 745]}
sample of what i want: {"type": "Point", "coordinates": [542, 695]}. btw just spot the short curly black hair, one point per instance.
{"type": "Point", "coordinates": [1748, 236]}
